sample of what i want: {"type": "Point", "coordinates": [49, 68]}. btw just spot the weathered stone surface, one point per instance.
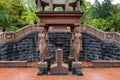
{"type": "Point", "coordinates": [22, 49]}
{"type": "Point", "coordinates": [96, 49]}
{"type": "Point", "coordinates": [42, 65]}
{"type": "Point", "coordinates": [25, 48]}
{"type": "Point", "coordinates": [76, 65]}
{"type": "Point", "coordinates": [62, 37]}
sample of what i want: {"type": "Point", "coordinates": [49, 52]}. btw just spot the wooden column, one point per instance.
{"type": "Point", "coordinates": [66, 5]}
{"type": "Point", "coordinates": [78, 5]}
{"type": "Point", "coordinates": [51, 5]}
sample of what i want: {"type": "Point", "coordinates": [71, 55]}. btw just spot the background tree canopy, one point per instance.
{"type": "Point", "coordinates": [15, 14]}
{"type": "Point", "coordinates": [105, 15]}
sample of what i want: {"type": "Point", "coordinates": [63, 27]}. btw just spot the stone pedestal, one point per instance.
{"type": "Point", "coordinates": [76, 68]}
{"type": "Point", "coordinates": [59, 69]}
{"type": "Point", "coordinates": [47, 59]}
{"type": "Point", "coordinates": [71, 59]}
{"type": "Point", "coordinates": [76, 65]}
{"type": "Point", "coordinates": [42, 66]}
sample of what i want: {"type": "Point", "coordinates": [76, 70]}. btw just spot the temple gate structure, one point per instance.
{"type": "Point", "coordinates": [60, 20]}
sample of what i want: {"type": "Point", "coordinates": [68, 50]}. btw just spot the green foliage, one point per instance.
{"type": "Point", "coordinates": [105, 15]}
{"type": "Point", "coordinates": [6, 20]}
{"type": "Point", "coordinates": [18, 14]}
{"type": "Point", "coordinates": [58, 9]}
{"type": "Point", "coordinates": [30, 17]}
{"type": "Point", "coordinates": [100, 24]}
{"type": "Point", "coordinates": [103, 10]}
{"type": "Point", "coordinates": [115, 21]}
{"type": "Point", "coordinates": [86, 8]}
{"type": "Point", "coordinates": [15, 14]}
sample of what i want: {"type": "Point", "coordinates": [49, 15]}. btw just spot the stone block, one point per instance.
{"type": "Point", "coordinates": [42, 65]}
{"type": "Point", "coordinates": [59, 69]}
{"type": "Point", "coordinates": [76, 65]}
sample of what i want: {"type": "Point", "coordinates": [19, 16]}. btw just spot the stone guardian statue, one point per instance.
{"type": "Point", "coordinates": [77, 43]}
{"type": "Point", "coordinates": [43, 44]}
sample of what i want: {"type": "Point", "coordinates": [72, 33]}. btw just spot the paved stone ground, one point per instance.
{"type": "Point", "coordinates": [89, 74]}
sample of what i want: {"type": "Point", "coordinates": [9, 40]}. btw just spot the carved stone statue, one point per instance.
{"type": "Point", "coordinates": [77, 43]}
{"type": "Point", "coordinates": [43, 44]}
{"type": "Point", "coordinates": [71, 45]}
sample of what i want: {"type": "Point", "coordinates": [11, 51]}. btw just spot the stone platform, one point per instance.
{"type": "Point", "coordinates": [59, 69]}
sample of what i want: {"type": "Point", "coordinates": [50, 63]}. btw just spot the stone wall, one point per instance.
{"type": "Point", "coordinates": [93, 48]}
{"type": "Point", "coordinates": [21, 49]}
{"type": "Point", "coordinates": [25, 47]}
{"type": "Point", "coordinates": [62, 37]}
{"type": "Point", "coordinates": [96, 49]}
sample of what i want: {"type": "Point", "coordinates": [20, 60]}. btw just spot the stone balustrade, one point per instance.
{"type": "Point", "coordinates": [98, 33]}
{"type": "Point", "coordinates": [114, 36]}
{"type": "Point", "coordinates": [117, 37]}
{"type": "Point", "coordinates": [13, 63]}
{"type": "Point", "coordinates": [6, 36]}
{"type": "Point", "coordinates": [106, 63]}
{"type": "Point", "coordinates": [25, 30]}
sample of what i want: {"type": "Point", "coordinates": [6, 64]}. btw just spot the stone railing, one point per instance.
{"type": "Point", "coordinates": [6, 36]}
{"type": "Point", "coordinates": [113, 36]}
{"type": "Point", "coordinates": [105, 63]}
{"type": "Point", "coordinates": [25, 30]}
{"type": "Point", "coordinates": [13, 63]}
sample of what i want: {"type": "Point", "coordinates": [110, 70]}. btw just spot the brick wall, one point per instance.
{"type": "Point", "coordinates": [96, 49]}
{"type": "Point", "coordinates": [25, 47]}
{"type": "Point", "coordinates": [62, 37]}
{"type": "Point", "coordinates": [21, 49]}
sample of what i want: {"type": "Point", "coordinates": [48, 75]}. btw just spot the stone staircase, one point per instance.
{"type": "Point", "coordinates": [7, 36]}
{"type": "Point", "coordinates": [22, 45]}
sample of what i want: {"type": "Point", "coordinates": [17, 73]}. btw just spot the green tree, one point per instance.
{"type": "Point", "coordinates": [18, 11]}
{"type": "Point", "coordinates": [100, 24]}
{"type": "Point", "coordinates": [104, 16]}
{"type": "Point", "coordinates": [30, 16]}
{"type": "Point", "coordinates": [115, 22]}
{"type": "Point", "coordinates": [86, 8]}
{"type": "Point", "coordinates": [6, 21]}
{"type": "Point", "coordinates": [103, 10]}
